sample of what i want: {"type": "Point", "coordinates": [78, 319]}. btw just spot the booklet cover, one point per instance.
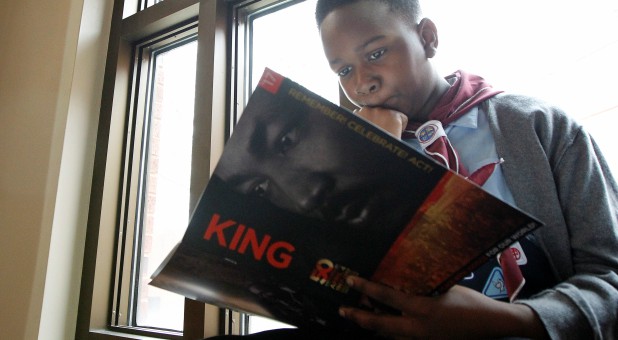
{"type": "Point", "coordinates": [306, 193]}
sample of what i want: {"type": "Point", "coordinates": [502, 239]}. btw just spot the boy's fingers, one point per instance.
{"type": "Point", "coordinates": [383, 324]}
{"type": "Point", "coordinates": [404, 121]}
{"type": "Point", "coordinates": [378, 292]}
{"type": "Point", "coordinates": [390, 120]}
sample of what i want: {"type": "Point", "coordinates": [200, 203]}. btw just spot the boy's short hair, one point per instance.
{"type": "Point", "coordinates": [410, 10]}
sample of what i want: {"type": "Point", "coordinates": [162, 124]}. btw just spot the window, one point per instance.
{"type": "Point", "coordinates": [142, 182]}
{"type": "Point", "coordinates": [133, 6]}
{"type": "Point", "coordinates": [163, 189]}
{"type": "Point", "coordinates": [156, 179]}
{"type": "Point", "coordinates": [295, 52]}
{"type": "Point", "coordinates": [259, 42]}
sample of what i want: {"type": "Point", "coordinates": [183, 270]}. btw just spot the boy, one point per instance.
{"type": "Point", "coordinates": [552, 169]}
{"type": "Point", "coordinates": [381, 50]}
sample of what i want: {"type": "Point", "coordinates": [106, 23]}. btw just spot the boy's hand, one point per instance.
{"type": "Point", "coordinates": [458, 313]}
{"type": "Point", "coordinates": [390, 120]}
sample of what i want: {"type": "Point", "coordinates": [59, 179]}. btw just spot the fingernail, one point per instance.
{"type": "Point", "coordinates": [349, 281]}
{"type": "Point", "coordinates": [342, 312]}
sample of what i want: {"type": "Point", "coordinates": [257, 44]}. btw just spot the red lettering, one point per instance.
{"type": "Point", "coordinates": [215, 227]}
{"type": "Point", "coordinates": [284, 257]}
{"type": "Point", "coordinates": [278, 254]}
{"type": "Point", "coordinates": [237, 235]}
{"type": "Point", "coordinates": [322, 270]}
{"type": "Point", "coordinates": [258, 248]}
{"type": "Point", "coordinates": [328, 274]}
{"type": "Point", "coordinates": [337, 279]}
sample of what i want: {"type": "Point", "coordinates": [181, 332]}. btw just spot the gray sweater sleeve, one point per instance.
{"type": "Point", "coordinates": [557, 173]}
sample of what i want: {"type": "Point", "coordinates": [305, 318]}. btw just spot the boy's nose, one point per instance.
{"type": "Point", "coordinates": [366, 84]}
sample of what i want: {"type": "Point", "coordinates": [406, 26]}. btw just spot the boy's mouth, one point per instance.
{"type": "Point", "coordinates": [389, 103]}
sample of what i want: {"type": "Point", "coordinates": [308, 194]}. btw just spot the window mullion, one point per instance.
{"type": "Point", "coordinates": [202, 320]}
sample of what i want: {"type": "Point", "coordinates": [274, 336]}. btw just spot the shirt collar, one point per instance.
{"type": "Point", "coordinates": [469, 120]}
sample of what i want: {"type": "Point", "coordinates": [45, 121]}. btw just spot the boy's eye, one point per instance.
{"type": "Point", "coordinates": [344, 72]}
{"type": "Point", "coordinates": [377, 54]}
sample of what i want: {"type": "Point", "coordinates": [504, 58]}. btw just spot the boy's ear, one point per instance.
{"type": "Point", "coordinates": [429, 37]}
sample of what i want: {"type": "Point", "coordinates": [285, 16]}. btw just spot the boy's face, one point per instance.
{"type": "Point", "coordinates": [379, 57]}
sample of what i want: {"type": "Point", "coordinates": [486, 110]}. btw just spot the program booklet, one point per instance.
{"type": "Point", "coordinates": [307, 193]}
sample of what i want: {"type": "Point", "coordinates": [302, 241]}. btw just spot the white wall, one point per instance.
{"type": "Point", "coordinates": [51, 66]}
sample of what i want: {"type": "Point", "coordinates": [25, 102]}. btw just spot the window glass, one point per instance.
{"type": "Point", "coordinates": [167, 180]}
{"type": "Point", "coordinates": [152, 2]}
{"type": "Point", "coordinates": [287, 41]}
{"type": "Point", "coordinates": [560, 51]}
{"type": "Point", "coordinates": [132, 7]}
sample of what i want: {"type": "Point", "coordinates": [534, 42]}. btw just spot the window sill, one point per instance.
{"type": "Point", "coordinates": [132, 333]}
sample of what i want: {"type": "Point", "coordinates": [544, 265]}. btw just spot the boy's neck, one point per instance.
{"type": "Point", "coordinates": [440, 88]}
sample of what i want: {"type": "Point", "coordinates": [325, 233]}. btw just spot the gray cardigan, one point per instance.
{"type": "Point", "coordinates": [557, 173]}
